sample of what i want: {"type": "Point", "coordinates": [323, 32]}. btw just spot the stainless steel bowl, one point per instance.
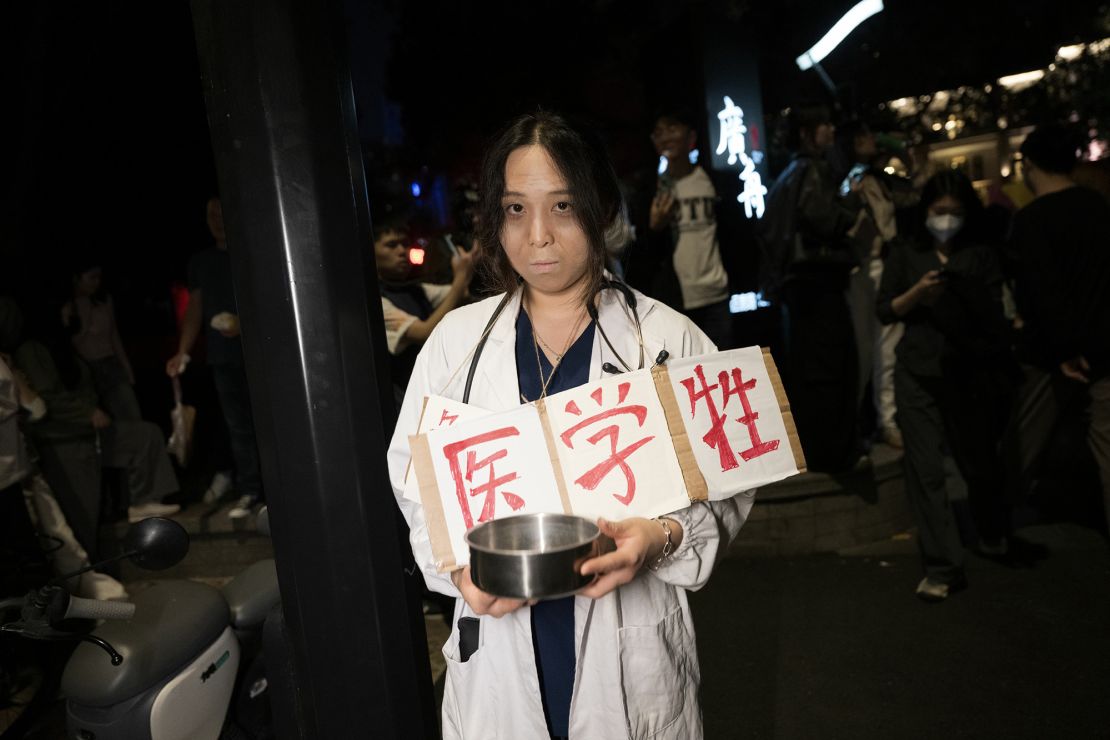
{"type": "Point", "coordinates": [532, 556]}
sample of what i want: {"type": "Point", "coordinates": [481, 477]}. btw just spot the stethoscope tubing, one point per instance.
{"type": "Point", "coordinates": [629, 299]}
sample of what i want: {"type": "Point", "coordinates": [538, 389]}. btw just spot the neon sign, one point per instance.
{"type": "Point", "coordinates": [733, 140]}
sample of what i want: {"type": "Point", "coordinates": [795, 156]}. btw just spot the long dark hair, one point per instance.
{"type": "Point", "coordinates": [582, 161]}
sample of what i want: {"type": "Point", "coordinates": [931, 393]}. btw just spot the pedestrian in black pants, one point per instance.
{"type": "Point", "coordinates": [809, 255]}
{"type": "Point", "coordinates": [212, 306]}
{"type": "Point", "coordinates": [1062, 242]}
{"type": "Point", "coordinates": [952, 376]}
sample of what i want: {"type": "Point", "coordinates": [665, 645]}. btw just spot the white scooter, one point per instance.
{"type": "Point", "coordinates": [164, 667]}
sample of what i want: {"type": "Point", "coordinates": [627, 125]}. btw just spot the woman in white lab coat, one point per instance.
{"type": "Point", "coordinates": [618, 660]}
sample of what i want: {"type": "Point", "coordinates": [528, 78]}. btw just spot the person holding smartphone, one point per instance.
{"type": "Point", "coordinates": [412, 309]}
{"type": "Point", "coordinates": [951, 375]}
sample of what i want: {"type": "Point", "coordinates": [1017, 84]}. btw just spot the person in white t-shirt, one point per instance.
{"type": "Point", "coordinates": [412, 309]}
{"type": "Point", "coordinates": [685, 205]}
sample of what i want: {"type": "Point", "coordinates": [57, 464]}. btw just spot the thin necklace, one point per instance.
{"type": "Point", "coordinates": [548, 347]}
{"type": "Point", "coordinates": [558, 356]}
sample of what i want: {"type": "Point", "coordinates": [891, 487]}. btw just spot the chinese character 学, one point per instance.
{"type": "Point", "coordinates": [732, 139]}
{"type": "Point", "coordinates": [618, 458]}
{"type": "Point", "coordinates": [730, 384]}
{"type": "Point", "coordinates": [463, 475]}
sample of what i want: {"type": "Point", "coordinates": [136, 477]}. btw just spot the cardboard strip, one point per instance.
{"type": "Point", "coordinates": [696, 487]}
{"type": "Point", "coordinates": [421, 460]}
{"type": "Point", "coordinates": [784, 408]}
{"type": "Point", "coordinates": [419, 423]}
{"type": "Point", "coordinates": [553, 453]}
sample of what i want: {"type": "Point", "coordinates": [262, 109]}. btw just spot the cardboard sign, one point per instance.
{"type": "Point", "coordinates": [438, 412]}
{"type": "Point", "coordinates": [473, 472]}
{"type": "Point", "coordinates": [644, 443]}
{"type": "Point", "coordinates": [613, 449]}
{"type": "Point", "coordinates": [737, 420]}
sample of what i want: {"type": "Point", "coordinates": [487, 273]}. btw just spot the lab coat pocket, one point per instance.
{"type": "Point", "coordinates": [655, 672]}
{"type": "Point", "coordinates": [466, 684]}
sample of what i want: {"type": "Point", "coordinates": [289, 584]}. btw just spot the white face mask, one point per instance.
{"type": "Point", "coordinates": [944, 227]}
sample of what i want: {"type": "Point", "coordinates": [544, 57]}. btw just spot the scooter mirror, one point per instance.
{"type": "Point", "coordinates": [156, 543]}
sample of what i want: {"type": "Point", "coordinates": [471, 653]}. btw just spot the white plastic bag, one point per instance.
{"type": "Point", "coordinates": [183, 418]}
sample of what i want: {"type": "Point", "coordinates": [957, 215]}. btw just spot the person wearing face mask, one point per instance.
{"type": "Point", "coordinates": [951, 374]}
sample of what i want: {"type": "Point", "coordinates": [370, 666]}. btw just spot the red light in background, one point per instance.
{"type": "Point", "coordinates": [416, 255]}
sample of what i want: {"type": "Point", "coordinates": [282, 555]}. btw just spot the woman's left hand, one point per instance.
{"type": "Point", "coordinates": [638, 541]}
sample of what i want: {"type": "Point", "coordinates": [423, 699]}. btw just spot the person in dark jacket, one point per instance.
{"type": "Point", "coordinates": [953, 366]}
{"type": "Point", "coordinates": [1062, 244]}
{"type": "Point", "coordinates": [807, 263]}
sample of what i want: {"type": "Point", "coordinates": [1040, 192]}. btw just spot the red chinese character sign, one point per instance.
{"type": "Point", "coordinates": [614, 449]}
{"type": "Point", "coordinates": [438, 413]}
{"type": "Point", "coordinates": [475, 471]}
{"type": "Point", "coordinates": [737, 420]}
{"type": "Point", "coordinates": [643, 443]}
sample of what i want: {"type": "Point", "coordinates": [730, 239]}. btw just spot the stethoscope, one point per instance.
{"type": "Point", "coordinates": [591, 310]}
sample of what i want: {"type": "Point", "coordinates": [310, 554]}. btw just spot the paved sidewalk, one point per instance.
{"type": "Point", "coordinates": [829, 646]}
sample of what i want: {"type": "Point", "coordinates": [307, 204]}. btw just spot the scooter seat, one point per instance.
{"type": "Point", "coordinates": [174, 621]}
{"type": "Point", "coordinates": [251, 594]}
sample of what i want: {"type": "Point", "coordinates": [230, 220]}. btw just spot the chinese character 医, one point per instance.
{"type": "Point", "coordinates": [462, 476]}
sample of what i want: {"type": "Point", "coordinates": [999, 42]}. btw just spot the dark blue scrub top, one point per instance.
{"type": "Point", "coordinates": [553, 621]}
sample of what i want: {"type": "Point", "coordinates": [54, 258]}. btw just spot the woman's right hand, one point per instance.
{"type": "Point", "coordinates": [479, 601]}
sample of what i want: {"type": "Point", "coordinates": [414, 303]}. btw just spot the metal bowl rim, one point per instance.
{"type": "Point", "coordinates": [563, 548]}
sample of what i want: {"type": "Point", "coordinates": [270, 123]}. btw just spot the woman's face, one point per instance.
{"type": "Point", "coordinates": [823, 136]}
{"type": "Point", "coordinates": [87, 283]}
{"type": "Point", "coordinates": [541, 235]}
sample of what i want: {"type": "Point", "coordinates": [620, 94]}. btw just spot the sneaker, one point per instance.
{"type": "Point", "coordinates": [243, 508]}
{"type": "Point", "coordinates": [154, 508]}
{"type": "Point", "coordinates": [221, 484]}
{"type": "Point", "coordinates": [937, 591]}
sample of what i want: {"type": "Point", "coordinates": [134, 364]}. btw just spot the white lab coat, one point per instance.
{"type": "Point", "coordinates": [637, 669]}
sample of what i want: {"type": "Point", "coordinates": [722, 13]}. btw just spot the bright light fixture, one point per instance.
{"type": "Point", "coordinates": [860, 12]}
{"type": "Point", "coordinates": [1021, 80]}
{"type": "Point", "coordinates": [1070, 53]}
{"type": "Point", "coordinates": [416, 256]}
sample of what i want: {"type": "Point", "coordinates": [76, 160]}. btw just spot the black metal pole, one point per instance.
{"type": "Point", "coordinates": [281, 115]}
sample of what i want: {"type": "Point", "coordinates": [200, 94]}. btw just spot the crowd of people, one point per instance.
{"type": "Point", "coordinates": [909, 315]}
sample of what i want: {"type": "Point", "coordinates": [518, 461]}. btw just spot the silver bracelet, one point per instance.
{"type": "Point", "coordinates": [668, 546]}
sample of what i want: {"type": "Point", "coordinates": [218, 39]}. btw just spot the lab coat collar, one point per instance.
{"type": "Point", "coordinates": [497, 365]}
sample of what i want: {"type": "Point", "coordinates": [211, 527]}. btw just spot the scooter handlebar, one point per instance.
{"type": "Point", "coordinates": [94, 609]}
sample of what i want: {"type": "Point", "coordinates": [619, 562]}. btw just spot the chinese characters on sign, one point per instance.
{"type": "Point", "coordinates": [717, 437]}
{"type": "Point", "coordinates": [489, 487]}
{"type": "Point", "coordinates": [614, 448]}
{"type": "Point", "coordinates": [643, 443]}
{"type": "Point", "coordinates": [733, 140]}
